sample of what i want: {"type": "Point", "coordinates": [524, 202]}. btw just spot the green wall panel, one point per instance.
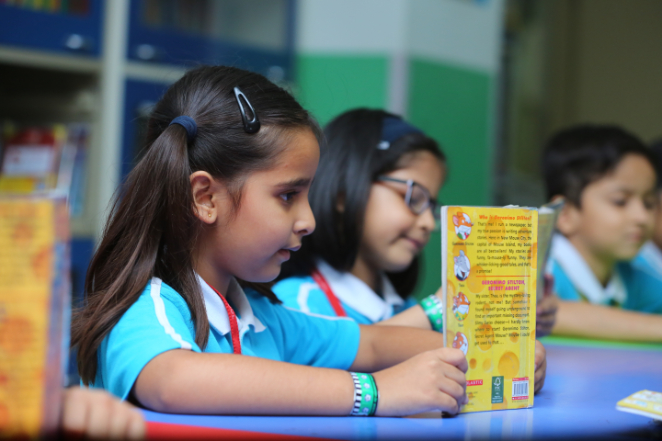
{"type": "Point", "coordinates": [330, 84]}
{"type": "Point", "coordinates": [453, 105]}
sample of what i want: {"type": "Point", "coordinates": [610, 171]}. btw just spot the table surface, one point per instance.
{"type": "Point", "coordinates": [584, 381]}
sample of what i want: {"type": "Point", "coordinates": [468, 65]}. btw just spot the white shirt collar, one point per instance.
{"type": "Point", "coordinates": [360, 297]}
{"type": "Point", "coordinates": [581, 276]}
{"type": "Point", "coordinates": [218, 315]}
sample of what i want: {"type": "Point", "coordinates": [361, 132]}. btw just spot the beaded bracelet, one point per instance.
{"type": "Point", "coordinates": [434, 310]}
{"type": "Point", "coordinates": [366, 395]}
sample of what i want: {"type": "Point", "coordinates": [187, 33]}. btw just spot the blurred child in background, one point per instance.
{"type": "Point", "coordinates": [374, 201]}
{"type": "Point", "coordinates": [607, 178]}
{"type": "Point", "coordinates": [649, 258]}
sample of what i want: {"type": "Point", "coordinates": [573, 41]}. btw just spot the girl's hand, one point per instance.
{"type": "Point", "coordinates": [430, 381]}
{"type": "Point", "coordinates": [95, 414]}
{"type": "Point", "coordinates": [546, 309]}
{"type": "Point", "coordinates": [541, 367]}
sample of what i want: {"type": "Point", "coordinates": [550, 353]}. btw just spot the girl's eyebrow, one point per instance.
{"type": "Point", "coordinates": [299, 182]}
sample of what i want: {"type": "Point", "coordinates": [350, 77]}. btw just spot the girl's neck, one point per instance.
{"type": "Point", "coordinates": [369, 275]}
{"type": "Point", "coordinates": [218, 280]}
{"type": "Point", "coordinates": [602, 268]}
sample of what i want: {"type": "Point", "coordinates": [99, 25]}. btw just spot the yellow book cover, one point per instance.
{"type": "Point", "coordinates": [34, 313]}
{"type": "Point", "coordinates": [645, 403]}
{"type": "Point", "coordinates": [489, 275]}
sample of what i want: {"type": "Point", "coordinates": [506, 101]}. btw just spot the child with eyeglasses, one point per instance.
{"type": "Point", "coordinates": [374, 203]}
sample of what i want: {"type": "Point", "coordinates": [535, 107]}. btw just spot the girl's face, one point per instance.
{"type": "Point", "coordinates": [392, 234]}
{"type": "Point", "coordinates": [252, 241]}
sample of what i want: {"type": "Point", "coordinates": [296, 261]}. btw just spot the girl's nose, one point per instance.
{"type": "Point", "coordinates": [426, 219]}
{"type": "Point", "coordinates": [305, 223]}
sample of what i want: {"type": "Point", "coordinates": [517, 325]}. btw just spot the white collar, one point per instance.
{"type": "Point", "coordinates": [218, 315]}
{"type": "Point", "coordinates": [581, 276]}
{"type": "Point", "coordinates": [653, 255]}
{"type": "Point", "coordinates": [360, 297]}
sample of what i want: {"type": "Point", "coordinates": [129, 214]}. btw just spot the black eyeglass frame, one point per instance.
{"type": "Point", "coordinates": [432, 204]}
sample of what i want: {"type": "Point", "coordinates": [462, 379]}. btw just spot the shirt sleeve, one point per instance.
{"type": "Point", "coordinates": [158, 322]}
{"type": "Point", "coordinates": [303, 294]}
{"type": "Point", "coordinates": [311, 339]}
{"type": "Point", "coordinates": [644, 289]}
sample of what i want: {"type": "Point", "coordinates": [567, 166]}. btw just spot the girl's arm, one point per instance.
{"type": "Point", "coordinates": [414, 317]}
{"type": "Point", "coordinates": [583, 319]}
{"type": "Point", "coordinates": [182, 381]}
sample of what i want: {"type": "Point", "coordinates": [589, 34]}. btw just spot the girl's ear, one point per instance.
{"type": "Point", "coordinates": [570, 219]}
{"type": "Point", "coordinates": [208, 198]}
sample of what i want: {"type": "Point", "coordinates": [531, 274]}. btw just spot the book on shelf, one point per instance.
{"type": "Point", "coordinates": [490, 268]}
{"type": "Point", "coordinates": [45, 158]}
{"type": "Point", "coordinates": [34, 312]}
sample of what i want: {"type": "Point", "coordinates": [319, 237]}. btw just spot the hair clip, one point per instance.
{"type": "Point", "coordinates": [252, 125]}
{"type": "Point", "coordinates": [394, 128]}
{"type": "Point", "coordinates": [189, 125]}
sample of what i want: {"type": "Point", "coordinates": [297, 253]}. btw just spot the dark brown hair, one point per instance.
{"type": "Point", "coordinates": [578, 156]}
{"type": "Point", "coordinates": [152, 228]}
{"type": "Point", "coordinates": [350, 163]}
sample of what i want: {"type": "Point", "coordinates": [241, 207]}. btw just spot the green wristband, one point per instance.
{"type": "Point", "coordinates": [434, 310]}
{"type": "Point", "coordinates": [366, 395]}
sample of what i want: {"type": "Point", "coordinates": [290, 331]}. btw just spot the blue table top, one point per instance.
{"type": "Point", "coordinates": [584, 382]}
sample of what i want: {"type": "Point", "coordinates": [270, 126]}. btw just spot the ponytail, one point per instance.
{"type": "Point", "coordinates": [144, 222]}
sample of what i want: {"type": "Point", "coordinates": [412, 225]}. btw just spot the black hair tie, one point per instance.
{"type": "Point", "coordinates": [252, 125]}
{"type": "Point", "coordinates": [189, 125]}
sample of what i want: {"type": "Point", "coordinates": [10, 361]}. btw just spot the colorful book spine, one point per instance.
{"type": "Point", "coordinates": [34, 313]}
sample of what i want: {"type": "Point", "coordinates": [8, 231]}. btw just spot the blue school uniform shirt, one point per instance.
{"type": "Point", "coordinates": [358, 300]}
{"type": "Point", "coordinates": [630, 287]}
{"type": "Point", "coordinates": [160, 321]}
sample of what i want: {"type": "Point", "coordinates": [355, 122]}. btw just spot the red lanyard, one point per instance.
{"type": "Point", "coordinates": [234, 327]}
{"type": "Point", "coordinates": [333, 300]}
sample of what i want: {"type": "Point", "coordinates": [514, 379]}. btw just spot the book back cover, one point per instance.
{"type": "Point", "coordinates": [489, 260]}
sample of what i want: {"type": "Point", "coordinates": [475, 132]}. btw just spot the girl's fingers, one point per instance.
{"type": "Point", "coordinates": [453, 357]}
{"type": "Point", "coordinates": [97, 425]}
{"type": "Point", "coordinates": [74, 412]}
{"type": "Point", "coordinates": [118, 422]}
{"type": "Point", "coordinates": [137, 427]}
{"type": "Point", "coordinates": [452, 389]}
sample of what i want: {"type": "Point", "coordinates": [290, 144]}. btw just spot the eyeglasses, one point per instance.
{"type": "Point", "coordinates": [417, 197]}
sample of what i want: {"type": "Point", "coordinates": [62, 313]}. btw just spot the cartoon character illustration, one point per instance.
{"type": "Point", "coordinates": [461, 342]}
{"type": "Point", "coordinates": [462, 266]}
{"type": "Point", "coordinates": [463, 225]}
{"type": "Point", "coordinates": [461, 306]}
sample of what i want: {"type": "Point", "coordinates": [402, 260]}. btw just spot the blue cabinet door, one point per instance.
{"type": "Point", "coordinates": [74, 27]}
{"type": "Point", "coordinates": [140, 97]}
{"type": "Point", "coordinates": [250, 34]}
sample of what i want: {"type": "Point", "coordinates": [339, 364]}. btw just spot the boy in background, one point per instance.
{"type": "Point", "coordinates": [607, 178]}
{"type": "Point", "coordinates": [649, 258]}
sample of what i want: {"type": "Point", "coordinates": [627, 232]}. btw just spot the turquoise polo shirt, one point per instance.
{"type": "Point", "coordinates": [631, 287]}
{"type": "Point", "coordinates": [359, 301]}
{"type": "Point", "coordinates": [160, 321]}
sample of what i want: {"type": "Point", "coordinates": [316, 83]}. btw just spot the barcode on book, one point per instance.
{"type": "Point", "coordinates": [520, 388]}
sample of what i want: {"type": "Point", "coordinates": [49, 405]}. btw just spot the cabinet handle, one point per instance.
{"type": "Point", "coordinates": [146, 52]}
{"type": "Point", "coordinates": [78, 43]}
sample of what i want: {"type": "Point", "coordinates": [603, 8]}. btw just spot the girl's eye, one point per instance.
{"type": "Point", "coordinates": [619, 202]}
{"type": "Point", "coordinates": [289, 196]}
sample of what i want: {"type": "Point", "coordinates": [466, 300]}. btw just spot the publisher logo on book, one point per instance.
{"type": "Point", "coordinates": [497, 390]}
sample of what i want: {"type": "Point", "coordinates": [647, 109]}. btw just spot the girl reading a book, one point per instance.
{"type": "Point", "coordinates": [374, 202]}
{"type": "Point", "coordinates": [174, 319]}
